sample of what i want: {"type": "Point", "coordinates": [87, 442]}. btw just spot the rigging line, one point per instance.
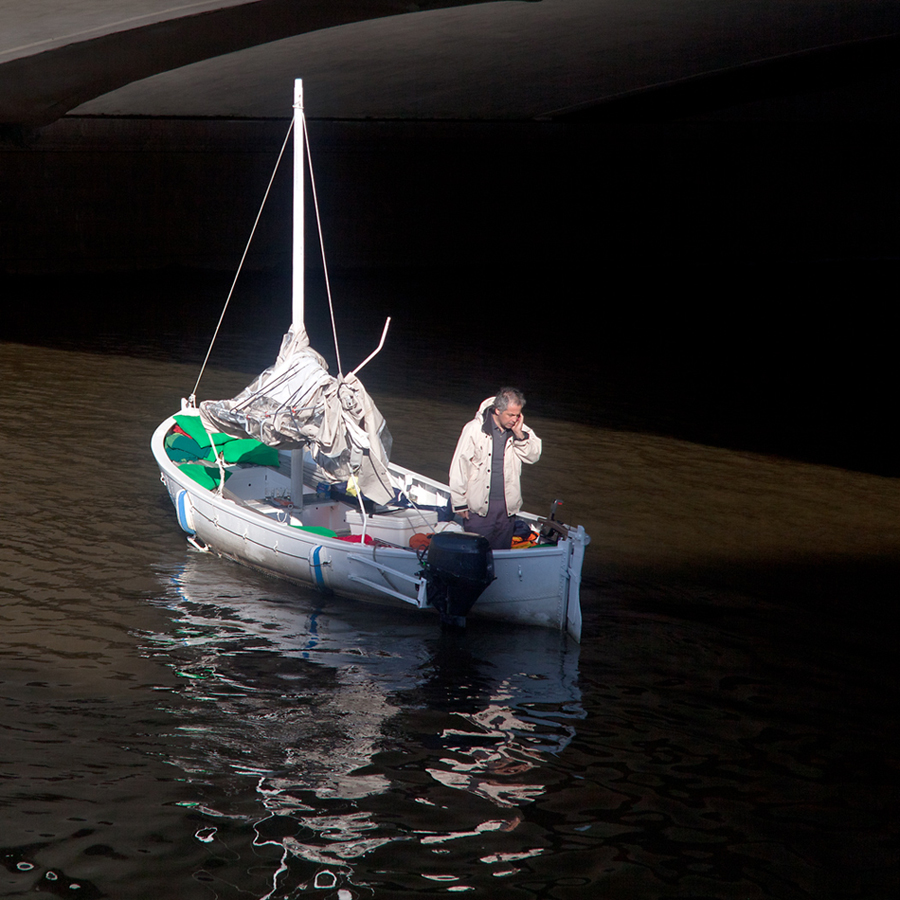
{"type": "Point", "coordinates": [312, 185]}
{"type": "Point", "coordinates": [193, 397]}
{"type": "Point", "coordinates": [296, 398]}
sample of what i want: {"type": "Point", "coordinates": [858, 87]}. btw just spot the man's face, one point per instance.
{"type": "Point", "coordinates": [510, 416]}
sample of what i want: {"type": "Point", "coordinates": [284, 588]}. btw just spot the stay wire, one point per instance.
{"type": "Point", "coordinates": [193, 397]}
{"type": "Point", "coordinates": [312, 184]}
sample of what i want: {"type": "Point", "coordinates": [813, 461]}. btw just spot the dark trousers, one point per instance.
{"type": "Point", "coordinates": [496, 526]}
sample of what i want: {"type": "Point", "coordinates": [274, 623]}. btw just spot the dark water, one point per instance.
{"type": "Point", "coordinates": [176, 726]}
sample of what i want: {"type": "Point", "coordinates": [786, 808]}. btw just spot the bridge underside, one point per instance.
{"type": "Point", "coordinates": [38, 88]}
{"type": "Point", "coordinates": [442, 143]}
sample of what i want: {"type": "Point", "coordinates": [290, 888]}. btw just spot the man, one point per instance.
{"type": "Point", "coordinates": [487, 464]}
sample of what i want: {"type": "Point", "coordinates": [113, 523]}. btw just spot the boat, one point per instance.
{"type": "Point", "coordinates": [292, 477]}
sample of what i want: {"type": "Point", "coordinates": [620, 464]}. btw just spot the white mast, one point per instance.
{"type": "Point", "coordinates": [297, 263]}
{"type": "Point", "coordinates": [298, 257]}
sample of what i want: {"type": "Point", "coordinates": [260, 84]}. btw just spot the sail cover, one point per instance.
{"type": "Point", "coordinates": [296, 404]}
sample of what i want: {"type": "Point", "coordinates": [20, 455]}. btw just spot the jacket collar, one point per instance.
{"type": "Point", "coordinates": [487, 423]}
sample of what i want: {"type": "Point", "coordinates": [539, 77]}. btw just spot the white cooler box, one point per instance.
{"type": "Point", "coordinates": [396, 527]}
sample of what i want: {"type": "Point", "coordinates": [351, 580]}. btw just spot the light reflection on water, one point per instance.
{"type": "Point", "coordinates": [175, 725]}
{"type": "Point", "coordinates": [327, 690]}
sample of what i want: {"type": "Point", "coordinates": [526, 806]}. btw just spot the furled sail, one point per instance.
{"type": "Point", "coordinates": [296, 403]}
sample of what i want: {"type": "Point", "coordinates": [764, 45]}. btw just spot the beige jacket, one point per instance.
{"type": "Point", "coordinates": [470, 470]}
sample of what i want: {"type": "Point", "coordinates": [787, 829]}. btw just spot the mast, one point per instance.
{"type": "Point", "coordinates": [297, 269]}
{"type": "Point", "coordinates": [298, 261]}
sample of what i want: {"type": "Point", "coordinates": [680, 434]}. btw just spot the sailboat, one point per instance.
{"type": "Point", "coordinates": [293, 477]}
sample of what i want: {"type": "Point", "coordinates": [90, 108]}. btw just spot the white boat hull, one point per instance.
{"type": "Point", "coordinates": [533, 586]}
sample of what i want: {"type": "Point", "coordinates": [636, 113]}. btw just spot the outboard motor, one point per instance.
{"type": "Point", "coordinates": [458, 568]}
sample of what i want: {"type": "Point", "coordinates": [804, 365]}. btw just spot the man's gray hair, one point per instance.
{"type": "Point", "coordinates": [506, 396]}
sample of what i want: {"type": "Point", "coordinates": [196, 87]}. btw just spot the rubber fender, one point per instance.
{"type": "Point", "coordinates": [319, 562]}
{"type": "Point", "coordinates": [185, 512]}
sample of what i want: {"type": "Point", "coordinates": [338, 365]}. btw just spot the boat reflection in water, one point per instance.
{"type": "Point", "coordinates": [349, 731]}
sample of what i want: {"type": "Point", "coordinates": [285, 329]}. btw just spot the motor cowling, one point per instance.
{"type": "Point", "coordinates": [459, 566]}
